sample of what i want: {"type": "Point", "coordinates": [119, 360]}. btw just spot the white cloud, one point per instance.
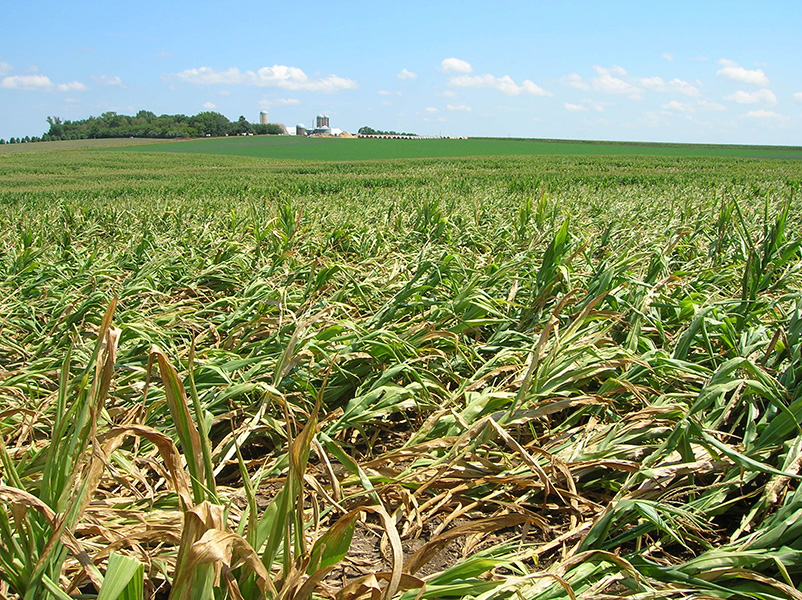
{"type": "Point", "coordinates": [653, 83]}
{"type": "Point", "coordinates": [732, 70]}
{"type": "Point", "coordinates": [449, 94]}
{"type": "Point", "coordinates": [710, 105]}
{"type": "Point", "coordinates": [209, 105]}
{"type": "Point", "coordinates": [404, 74]}
{"type": "Point", "coordinates": [165, 54]}
{"type": "Point", "coordinates": [288, 78]}
{"type": "Point", "coordinates": [458, 107]}
{"type": "Point", "coordinates": [27, 82]}
{"type": "Point", "coordinates": [678, 106]}
{"type": "Point", "coordinates": [575, 80]}
{"type": "Point", "coordinates": [606, 82]}
{"type": "Point", "coordinates": [40, 83]}
{"type": "Point", "coordinates": [384, 93]}
{"type": "Point", "coordinates": [667, 56]}
{"type": "Point", "coordinates": [293, 78]}
{"type": "Point", "coordinates": [109, 80]}
{"type": "Point", "coordinates": [285, 101]}
{"type": "Point", "coordinates": [615, 70]}
{"type": "Point", "coordinates": [209, 76]}
{"type": "Point", "coordinates": [657, 84]}
{"type": "Point", "coordinates": [763, 95]}
{"type": "Point", "coordinates": [5, 68]}
{"type": "Point", "coordinates": [587, 104]}
{"type": "Point", "coordinates": [455, 65]}
{"type": "Point", "coordinates": [691, 107]}
{"type": "Point", "coordinates": [683, 87]}
{"type": "Point", "coordinates": [72, 86]}
{"type": "Point", "coordinates": [764, 114]}
{"type": "Point", "coordinates": [529, 87]}
{"type": "Point", "coordinates": [798, 96]}
{"type": "Point", "coordinates": [431, 109]}
{"type": "Point", "coordinates": [503, 84]}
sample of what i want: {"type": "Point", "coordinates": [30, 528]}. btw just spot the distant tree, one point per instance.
{"type": "Point", "coordinates": [146, 116]}
{"type": "Point", "coordinates": [211, 123]}
{"type": "Point", "coordinates": [110, 120]}
{"type": "Point", "coordinates": [241, 126]}
{"type": "Point", "coordinates": [268, 129]}
{"type": "Point", "coordinates": [370, 131]}
{"type": "Point", "coordinates": [56, 127]}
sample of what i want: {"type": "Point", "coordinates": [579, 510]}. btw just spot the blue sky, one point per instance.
{"type": "Point", "coordinates": [702, 71]}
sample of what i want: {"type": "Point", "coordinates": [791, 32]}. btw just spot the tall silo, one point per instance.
{"type": "Point", "coordinates": [322, 121]}
{"type": "Point", "coordinates": [263, 118]}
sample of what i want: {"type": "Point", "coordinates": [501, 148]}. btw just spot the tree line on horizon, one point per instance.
{"type": "Point", "coordinates": [146, 124]}
{"type": "Point", "coordinates": [370, 131]}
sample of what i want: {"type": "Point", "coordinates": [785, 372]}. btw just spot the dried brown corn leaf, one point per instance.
{"type": "Point", "coordinates": [426, 552]}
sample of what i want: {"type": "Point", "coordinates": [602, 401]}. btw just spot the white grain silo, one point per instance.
{"type": "Point", "coordinates": [263, 118]}
{"type": "Point", "coordinates": [322, 121]}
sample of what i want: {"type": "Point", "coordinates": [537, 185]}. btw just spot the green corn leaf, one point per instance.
{"type": "Point", "coordinates": [124, 579]}
{"type": "Point", "coordinates": [332, 546]}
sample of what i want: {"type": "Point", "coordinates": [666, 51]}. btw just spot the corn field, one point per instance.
{"type": "Point", "coordinates": [542, 378]}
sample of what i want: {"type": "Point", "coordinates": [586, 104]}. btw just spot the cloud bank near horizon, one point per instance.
{"type": "Point", "coordinates": [279, 76]}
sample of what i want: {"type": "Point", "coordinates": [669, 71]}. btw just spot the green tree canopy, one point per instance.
{"type": "Point", "coordinates": [146, 124]}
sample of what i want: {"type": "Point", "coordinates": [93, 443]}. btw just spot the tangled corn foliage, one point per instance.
{"type": "Point", "coordinates": [551, 377]}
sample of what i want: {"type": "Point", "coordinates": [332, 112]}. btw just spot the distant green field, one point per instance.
{"type": "Point", "coordinates": [321, 149]}
{"type": "Point", "coordinates": [296, 148]}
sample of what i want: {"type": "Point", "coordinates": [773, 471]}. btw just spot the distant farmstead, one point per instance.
{"type": "Point", "coordinates": [322, 128]}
